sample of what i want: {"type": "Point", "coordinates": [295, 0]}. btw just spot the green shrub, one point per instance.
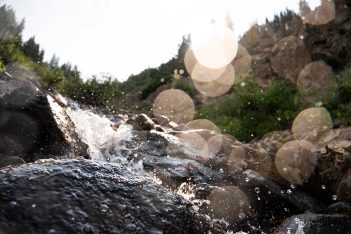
{"type": "Point", "coordinates": [251, 111]}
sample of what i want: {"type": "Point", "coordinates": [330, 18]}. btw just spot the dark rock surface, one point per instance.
{"type": "Point", "coordinates": [6, 160]}
{"type": "Point", "coordinates": [27, 122]}
{"type": "Point", "coordinates": [270, 200]}
{"type": "Point", "coordinates": [83, 196]}
{"type": "Point", "coordinates": [316, 223]}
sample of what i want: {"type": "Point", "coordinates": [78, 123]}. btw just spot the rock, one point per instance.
{"type": "Point", "coordinates": [10, 161]}
{"type": "Point", "coordinates": [315, 223]}
{"type": "Point", "coordinates": [344, 188]}
{"type": "Point", "coordinates": [161, 120]}
{"type": "Point", "coordinates": [342, 208]}
{"type": "Point", "coordinates": [82, 196]}
{"type": "Point", "coordinates": [262, 68]}
{"type": "Point", "coordinates": [330, 42]}
{"type": "Point", "coordinates": [27, 124]}
{"type": "Point", "coordinates": [332, 173]}
{"type": "Point", "coordinates": [142, 122]}
{"type": "Point", "coordinates": [272, 141]}
{"type": "Point", "coordinates": [288, 58]}
{"type": "Point", "coordinates": [160, 155]}
{"type": "Point", "coordinates": [228, 203]}
{"type": "Point", "coordinates": [176, 127]}
{"type": "Point", "coordinates": [271, 202]}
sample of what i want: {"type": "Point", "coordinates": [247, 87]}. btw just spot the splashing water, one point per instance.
{"type": "Point", "coordinates": [96, 131]}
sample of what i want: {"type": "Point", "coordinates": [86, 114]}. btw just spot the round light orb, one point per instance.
{"type": "Point", "coordinates": [310, 124]}
{"type": "Point", "coordinates": [320, 14]}
{"type": "Point", "coordinates": [175, 104]}
{"type": "Point", "coordinates": [296, 161]}
{"type": "Point", "coordinates": [214, 45]}
{"type": "Point", "coordinates": [229, 203]}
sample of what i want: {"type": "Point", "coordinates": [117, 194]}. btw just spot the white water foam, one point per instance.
{"type": "Point", "coordinates": [104, 142]}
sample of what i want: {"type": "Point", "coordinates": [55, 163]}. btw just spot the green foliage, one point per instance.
{"type": "Point", "coordinates": [91, 92]}
{"type": "Point", "coordinates": [9, 28]}
{"type": "Point", "coordinates": [2, 66]}
{"type": "Point", "coordinates": [32, 50]}
{"type": "Point", "coordinates": [280, 21]}
{"type": "Point", "coordinates": [341, 108]}
{"type": "Point", "coordinates": [186, 85]}
{"type": "Point", "coordinates": [251, 112]}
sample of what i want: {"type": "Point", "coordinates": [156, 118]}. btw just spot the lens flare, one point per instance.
{"type": "Point", "coordinates": [189, 60]}
{"type": "Point", "coordinates": [205, 74]}
{"type": "Point", "coordinates": [194, 143]}
{"type": "Point", "coordinates": [175, 104]}
{"type": "Point", "coordinates": [236, 159]}
{"type": "Point", "coordinates": [316, 82]}
{"type": "Point", "coordinates": [229, 203]}
{"type": "Point", "coordinates": [209, 132]}
{"type": "Point", "coordinates": [242, 64]}
{"type": "Point", "coordinates": [321, 14]}
{"type": "Point", "coordinates": [202, 124]}
{"type": "Point", "coordinates": [219, 86]}
{"type": "Point", "coordinates": [310, 124]}
{"type": "Point", "coordinates": [295, 161]}
{"type": "Point", "coordinates": [214, 45]}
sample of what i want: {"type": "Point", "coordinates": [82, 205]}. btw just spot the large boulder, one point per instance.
{"type": "Point", "coordinates": [28, 125]}
{"type": "Point", "coordinates": [83, 196]}
{"type": "Point", "coordinates": [288, 58]}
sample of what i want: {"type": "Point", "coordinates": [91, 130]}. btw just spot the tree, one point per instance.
{"type": "Point", "coordinates": [9, 27]}
{"type": "Point", "coordinates": [304, 8]}
{"type": "Point", "coordinates": [54, 61]}
{"type": "Point", "coordinates": [32, 50]}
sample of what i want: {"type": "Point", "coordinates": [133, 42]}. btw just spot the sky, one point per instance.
{"type": "Point", "coordinates": [121, 38]}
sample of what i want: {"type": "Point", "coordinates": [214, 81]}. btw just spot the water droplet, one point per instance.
{"type": "Point", "coordinates": [247, 179]}
{"type": "Point", "coordinates": [257, 190]}
{"type": "Point", "coordinates": [334, 197]}
{"type": "Point", "coordinates": [33, 205]}
{"type": "Point", "coordinates": [289, 191]}
{"type": "Point", "coordinates": [13, 204]}
{"type": "Point", "coordinates": [323, 186]}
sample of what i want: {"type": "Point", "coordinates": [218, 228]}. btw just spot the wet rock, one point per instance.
{"type": "Point", "coordinates": [142, 122]}
{"type": "Point", "coordinates": [315, 223]}
{"type": "Point", "coordinates": [82, 196]}
{"type": "Point", "coordinates": [27, 124]}
{"type": "Point", "coordinates": [344, 188]}
{"type": "Point", "coordinates": [272, 141]}
{"type": "Point", "coordinates": [272, 202]}
{"type": "Point", "coordinates": [342, 208]}
{"type": "Point", "coordinates": [159, 154]}
{"type": "Point", "coordinates": [161, 120]}
{"type": "Point", "coordinates": [288, 58]}
{"type": "Point", "coordinates": [329, 179]}
{"type": "Point", "coordinates": [6, 160]}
